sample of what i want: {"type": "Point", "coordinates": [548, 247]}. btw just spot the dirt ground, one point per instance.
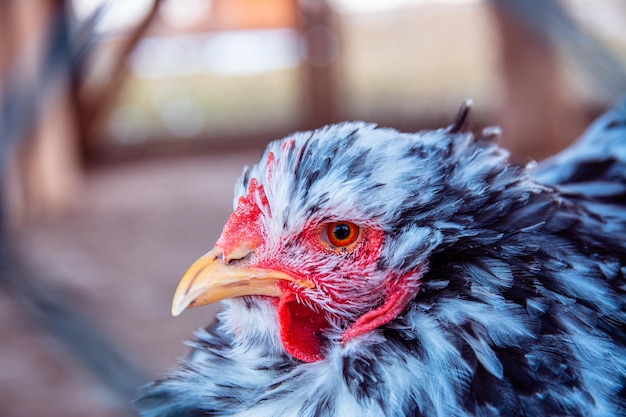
{"type": "Point", "coordinates": [119, 251]}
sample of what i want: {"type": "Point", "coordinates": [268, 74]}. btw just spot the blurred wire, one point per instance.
{"type": "Point", "coordinates": [82, 38]}
{"type": "Point", "coordinates": [549, 20]}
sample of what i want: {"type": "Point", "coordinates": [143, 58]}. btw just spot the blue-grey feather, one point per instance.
{"type": "Point", "coordinates": [521, 311]}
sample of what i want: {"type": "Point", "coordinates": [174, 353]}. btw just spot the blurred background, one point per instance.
{"type": "Point", "coordinates": [124, 124]}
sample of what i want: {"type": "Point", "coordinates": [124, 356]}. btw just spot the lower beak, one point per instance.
{"type": "Point", "coordinates": [210, 279]}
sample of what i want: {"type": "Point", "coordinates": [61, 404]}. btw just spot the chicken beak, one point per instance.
{"type": "Point", "coordinates": [210, 279]}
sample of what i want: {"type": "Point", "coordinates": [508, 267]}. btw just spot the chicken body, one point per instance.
{"type": "Point", "coordinates": [395, 274]}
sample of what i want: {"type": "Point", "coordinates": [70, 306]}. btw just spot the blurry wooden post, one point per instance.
{"type": "Point", "coordinates": [320, 38]}
{"type": "Point", "coordinates": [9, 189]}
{"type": "Point", "coordinates": [44, 172]}
{"type": "Point", "coordinates": [6, 36]}
{"type": "Point", "coordinates": [539, 116]}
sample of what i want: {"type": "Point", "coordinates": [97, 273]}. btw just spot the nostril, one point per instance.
{"type": "Point", "coordinates": [236, 261]}
{"type": "Point", "coordinates": [238, 255]}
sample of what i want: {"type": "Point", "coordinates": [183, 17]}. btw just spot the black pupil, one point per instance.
{"type": "Point", "coordinates": [341, 231]}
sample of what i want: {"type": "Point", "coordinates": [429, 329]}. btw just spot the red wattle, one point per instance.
{"type": "Point", "coordinates": [301, 329]}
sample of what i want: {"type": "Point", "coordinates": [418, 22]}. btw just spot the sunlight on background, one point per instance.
{"type": "Point", "coordinates": [182, 14]}
{"type": "Point", "coordinates": [121, 14]}
{"type": "Point", "coordinates": [228, 53]}
{"type": "Point", "coordinates": [117, 16]}
{"type": "Point", "coordinates": [377, 6]}
{"type": "Point", "coordinates": [198, 74]}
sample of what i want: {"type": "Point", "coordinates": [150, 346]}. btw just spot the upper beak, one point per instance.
{"type": "Point", "coordinates": [210, 279]}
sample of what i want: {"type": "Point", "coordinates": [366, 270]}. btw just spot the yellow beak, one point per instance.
{"type": "Point", "coordinates": [210, 279]}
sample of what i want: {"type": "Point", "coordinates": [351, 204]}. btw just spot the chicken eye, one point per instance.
{"type": "Point", "coordinates": [342, 235]}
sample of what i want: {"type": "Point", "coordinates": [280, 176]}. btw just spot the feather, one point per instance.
{"type": "Point", "coordinates": [489, 288]}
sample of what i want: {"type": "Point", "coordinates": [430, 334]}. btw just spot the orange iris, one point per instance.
{"type": "Point", "coordinates": [342, 235]}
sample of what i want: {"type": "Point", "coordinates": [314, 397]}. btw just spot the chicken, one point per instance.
{"type": "Point", "coordinates": [368, 272]}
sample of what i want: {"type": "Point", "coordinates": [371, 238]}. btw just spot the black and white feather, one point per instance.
{"type": "Point", "coordinates": [522, 308]}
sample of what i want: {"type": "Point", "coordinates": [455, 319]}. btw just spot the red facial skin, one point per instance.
{"type": "Point", "coordinates": [245, 225]}
{"type": "Point", "coordinates": [342, 278]}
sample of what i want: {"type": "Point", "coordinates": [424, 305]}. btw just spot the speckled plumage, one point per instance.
{"type": "Point", "coordinates": [521, 302]}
